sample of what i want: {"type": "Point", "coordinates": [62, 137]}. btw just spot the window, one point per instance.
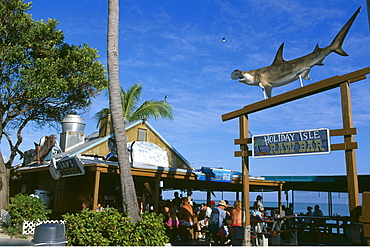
{"type": "Point", "coordinates": [141, 134]}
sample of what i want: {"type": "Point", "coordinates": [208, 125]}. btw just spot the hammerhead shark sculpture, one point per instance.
{"type": "Point", "coordinates": [282, 72]}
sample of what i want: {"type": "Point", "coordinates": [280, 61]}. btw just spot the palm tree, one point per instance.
{"type": "Point", "coordinates": [129, 200]}
{"type": "Point", "coordinates": [132, 111]}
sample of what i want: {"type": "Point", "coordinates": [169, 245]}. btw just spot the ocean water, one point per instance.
{"type": "Point", "coordinates": [337, 209]}
{"type": "Point", "coordinates": [301, 199]}
{"type": "Point", "coordinates": [301, 208]}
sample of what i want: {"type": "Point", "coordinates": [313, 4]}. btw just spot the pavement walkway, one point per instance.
{"type": "Point", "coordinates": [5, 240]}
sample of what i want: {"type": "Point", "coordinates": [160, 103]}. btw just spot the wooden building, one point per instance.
{"type": "Point", "coordinates": [156, 166]}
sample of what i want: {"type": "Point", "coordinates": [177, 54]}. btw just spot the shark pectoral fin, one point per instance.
{"type": "Point", "coordinates": [268, 90]}
{"type": "Point", "coordinates": [320, 62]}
{"type": "Point", "coordinates": [306, 75]}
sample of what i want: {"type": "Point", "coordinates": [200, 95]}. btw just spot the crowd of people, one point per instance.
{"type": "Point", "coordinates": [221, 220]}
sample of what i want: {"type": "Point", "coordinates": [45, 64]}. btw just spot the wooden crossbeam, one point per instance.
{"type": "Point", "coordinates": [344, 146]}
{"type": "Point", "coordinates": [343, 132]}
{"type": "Point", "coordinates": [242, 141]}
{"type": "Point", "coordinates": [240, 154]}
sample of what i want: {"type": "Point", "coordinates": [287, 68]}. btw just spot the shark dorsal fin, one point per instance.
{"type": "Point", "coordinates": [279, 55]}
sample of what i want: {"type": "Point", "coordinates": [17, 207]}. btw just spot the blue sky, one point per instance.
{"type": "Point", "coordinates": [175, 48]}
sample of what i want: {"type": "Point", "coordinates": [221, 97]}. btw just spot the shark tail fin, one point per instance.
{"type": "Point", "coordinates": [337, 43]}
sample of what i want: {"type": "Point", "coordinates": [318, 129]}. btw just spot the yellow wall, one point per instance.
{"type": "Point", "coordinates": [174, 160]}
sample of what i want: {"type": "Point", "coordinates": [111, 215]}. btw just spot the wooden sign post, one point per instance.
{"type": "Point", "coordinates": [243, 123]}
{"type": "Point", "coordinates": [348, 132]}
{"type": "Point", "coordinates": [350, 154]}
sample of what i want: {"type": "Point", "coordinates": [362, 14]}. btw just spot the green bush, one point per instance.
{"type": "Point", "coordinates": [149, 232]}
{"type": "Point", "coordinates": [24, 207]}
{"type": "Point", "coordinates": [112, 228]}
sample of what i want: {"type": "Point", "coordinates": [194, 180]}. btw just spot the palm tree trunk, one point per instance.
{"type": "Point", "coordinates": [129, 200]}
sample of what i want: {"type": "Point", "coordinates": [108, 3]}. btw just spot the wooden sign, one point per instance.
{"type": "Point", "coordinates": [70, 167]}
{"type": "Point", "coordinates": [303, 142]}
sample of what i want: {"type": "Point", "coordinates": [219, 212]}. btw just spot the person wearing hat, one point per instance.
{"type": "Point", "coordinates": [216, 223]}
{"type": "Point", "coordinates": [222, 203]}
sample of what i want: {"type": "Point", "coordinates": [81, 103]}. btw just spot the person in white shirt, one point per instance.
{"type": "Point", "coordinates": [202, 223]}
{"type": "Point", "coordinates": [258, 206]}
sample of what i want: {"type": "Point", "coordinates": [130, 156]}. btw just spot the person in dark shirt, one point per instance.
{"type": "Point", "coordinates": [317, 211]}
{"type": "Point", "coordinates": [176, 201]}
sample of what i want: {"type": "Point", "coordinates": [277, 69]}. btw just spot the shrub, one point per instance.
{"type": "Point", "coordinates": [112, 228]}
{"type": "Point", "coordinates": [95, 228]}
{"type": "Point", "coordinates": [149, 232]}
{"type": "Point", "coordinates": [24, 207]}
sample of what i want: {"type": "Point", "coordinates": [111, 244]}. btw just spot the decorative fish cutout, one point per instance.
{"type": "Point", "coordinates": [282, 72]}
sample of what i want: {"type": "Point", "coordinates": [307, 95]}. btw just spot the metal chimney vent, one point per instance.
{"type": "Point", "coordinates": [73, 127]}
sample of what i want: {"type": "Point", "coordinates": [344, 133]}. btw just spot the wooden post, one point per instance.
{"type": "Point", "coordinates": [293, 202]}
{"type": "Point", "coordinates": [145, 198]}
{"type": "Point", "coordinates": [280, 200]}
{"type": "Point", "coordinates": [352, 179]}
{"type": "Point", "coordinates": [96, 190]}
{"type": "Point", "coordinates": [156, 193]}
{"type": "Point", "coordinates": [208, 196]}
{"type": "Point", "coordinates": [330, 203]}
{"type": "Point", "coordinates": [243, 125]}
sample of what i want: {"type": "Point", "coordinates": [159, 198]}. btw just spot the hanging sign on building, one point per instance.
{"type": "Point", "coordinates": [303, 142]}
{"type": "Point", "coordinates": [70, 167]}
{"type": "Point", "coordinates": [214, 174]}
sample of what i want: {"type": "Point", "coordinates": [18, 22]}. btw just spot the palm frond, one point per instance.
{"type": "Point", "coordinates": [130, 99]}
{"type": "Point", "coordinates": [153, 109]}
{"type": "Point", "coordinates": [101, 114]}
{"type": "Point", "coordinates": [132, 111]}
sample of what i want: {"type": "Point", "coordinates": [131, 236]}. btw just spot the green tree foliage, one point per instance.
{"type": "Point", "coordinates": [133, 110]}
{"type": "Point", "coordinates": [112, 228]}
{"type": "Point", "coordinates": [42, 78]}
{"type": "Point", "coordinates": [24, 207]}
